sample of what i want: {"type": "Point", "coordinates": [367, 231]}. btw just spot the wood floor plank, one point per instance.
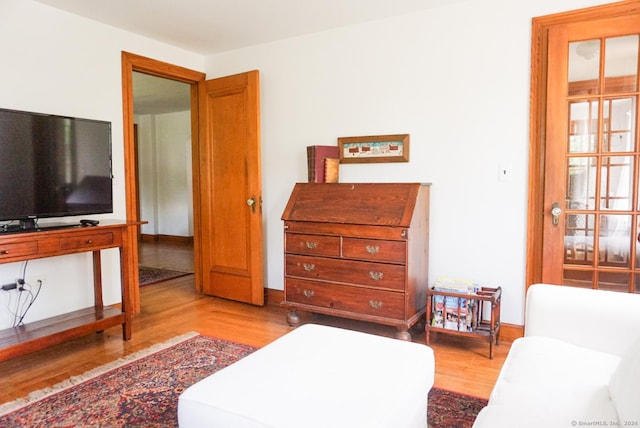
{"type": "Point", "coordinates": [173, 307]}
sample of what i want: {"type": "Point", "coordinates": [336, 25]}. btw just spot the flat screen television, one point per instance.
{"type": "Point", "coordinates": [52, 166]}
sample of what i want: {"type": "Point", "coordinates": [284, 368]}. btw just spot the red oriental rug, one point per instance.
{"type": "Point", "coordinates": [142, 390]}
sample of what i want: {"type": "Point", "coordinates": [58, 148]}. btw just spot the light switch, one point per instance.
{"type": "Point", "coordinates": [506, 171]}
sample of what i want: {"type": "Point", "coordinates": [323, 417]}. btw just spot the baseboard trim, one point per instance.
{"type": "Point", "coordinates": [169, 239]}
{"type": "Point", "coordinates": [508, 332]}
{"type": "Point", "coordinates": [273, 297]}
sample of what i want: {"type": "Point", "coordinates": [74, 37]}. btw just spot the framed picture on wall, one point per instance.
{"type": "Point", "coordinates": [374, 149]}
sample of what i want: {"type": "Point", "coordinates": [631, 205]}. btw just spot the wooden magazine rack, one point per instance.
{"type": "Point", "coordinates": [464, 314]}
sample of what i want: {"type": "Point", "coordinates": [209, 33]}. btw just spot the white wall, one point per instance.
{"type": "Point", "coordinates": [457, 79]}
{"type": "Point", "coordinates": [55, 62]}
{"type": "Point", "coordinates": [165, 173]}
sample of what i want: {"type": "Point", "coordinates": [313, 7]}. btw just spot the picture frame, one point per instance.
{"type": "Point", "coordinates": [374, 149]}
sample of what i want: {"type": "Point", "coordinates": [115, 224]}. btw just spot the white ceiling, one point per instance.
{"type": "Point", "coordinates": [155, 95]}
{"type": "Point", "coordinates": [212, 26]}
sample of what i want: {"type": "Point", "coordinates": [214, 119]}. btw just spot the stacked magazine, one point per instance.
{"type": "Point", "coordinates": [453, 312]}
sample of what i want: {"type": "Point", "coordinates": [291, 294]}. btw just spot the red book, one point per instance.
{"type": "Point", "coordinates": [315, 161]}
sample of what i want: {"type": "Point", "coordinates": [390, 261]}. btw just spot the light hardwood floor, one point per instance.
{"type": "Point", "coordinates": [173, 307]}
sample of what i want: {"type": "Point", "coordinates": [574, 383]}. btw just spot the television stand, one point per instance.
{"type": "Point", "coordinates": [37, 335]}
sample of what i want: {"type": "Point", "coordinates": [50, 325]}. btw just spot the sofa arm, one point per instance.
{"type": "Point", "coordinates": [606, 321]}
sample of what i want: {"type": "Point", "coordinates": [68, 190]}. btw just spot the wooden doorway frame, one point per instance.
{"type": "Point", "coordinates": [538, 123]}
{"type": "Point", "coordinates": [130, 63]}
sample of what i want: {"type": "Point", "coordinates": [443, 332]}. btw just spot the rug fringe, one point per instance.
{"type": "Point", "coordinates": [75, 380]}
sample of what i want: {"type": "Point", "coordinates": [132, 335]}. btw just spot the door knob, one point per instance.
{"type": "Point", "coordinates": [555, 213]}
{"type": "Point", "coordinates": [252, 203]}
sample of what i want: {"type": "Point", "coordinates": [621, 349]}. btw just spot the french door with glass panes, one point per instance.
{"type": "Point", "coordinates": [592, 156]}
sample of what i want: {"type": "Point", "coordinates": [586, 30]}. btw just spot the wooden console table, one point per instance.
{"type": "Point", "coordinates": [465, 317]}
{"type": "Point", "coordinates": [16, 247]}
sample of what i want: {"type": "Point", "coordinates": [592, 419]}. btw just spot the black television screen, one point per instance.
{"type": "Point", "coordinates": [53, 166]}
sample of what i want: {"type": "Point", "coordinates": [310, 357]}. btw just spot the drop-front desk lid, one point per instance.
{"type": "Point", "coordinates": [382, 204]}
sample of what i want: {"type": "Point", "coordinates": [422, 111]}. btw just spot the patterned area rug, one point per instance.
{"type": "Point", "coordinates": [450, 409]}
{"type": "Point", "coordinates": [150, 275]}
{"type": "Point", "coordinates": [142, 390]}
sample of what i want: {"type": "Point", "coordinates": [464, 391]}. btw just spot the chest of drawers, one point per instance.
{"type": "Point", "coordinates": [357, 251]}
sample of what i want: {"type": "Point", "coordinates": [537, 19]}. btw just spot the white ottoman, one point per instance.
{"type": "Point", "coordinates": [316, 376]}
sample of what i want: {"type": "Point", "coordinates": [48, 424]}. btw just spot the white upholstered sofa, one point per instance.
{"type": "Point", "coordinates": [578, 363]}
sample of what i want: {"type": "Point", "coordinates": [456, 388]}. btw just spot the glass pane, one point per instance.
{"type": "Point", "coordinates": [637, 245]}
{"type": "Point", "coordinates": [619, 125]}
{"type": "Point", "coordinates": [616, 183]}
{"type": "Point", "coordinates": [636, 283]}
{"type": "Point", "coordinates": [615, 240]}
{"type": "Point", "coordinates": [577, 278]}
{"type": "Point", "coordinates": [583, 126]}
{"type": "Point", "coordinates": [584, 67]}
{"type": "Point", "coordinates": [578, 239]}
{"type": "Point", "coordinates": [621, 64]}
{"type": "Point", "coordinates": [581, 183]}
{"type": "Point", "coordinates": [614, 281]}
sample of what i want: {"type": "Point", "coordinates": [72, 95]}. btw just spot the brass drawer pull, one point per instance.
{"type": "Point", "coordinates": [88, 241]}
{"type": "Point", "coordinates": [372, 249]}
{"type": "Point", "coordinates": [308, 293]}
{"type": "Point", "coordinates": [375, 304]}
{"type": "Point", "coordinates": [376, 276]}
{"type": "Point", "coordinates": [4, 252]}
{"type": "Point", "coordinates": [312, 245]}
{"type": "Point", "coordinates": [308, 266]}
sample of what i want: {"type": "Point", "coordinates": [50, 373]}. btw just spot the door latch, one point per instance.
{"type": "Point", "coordinates": [555, 213]}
